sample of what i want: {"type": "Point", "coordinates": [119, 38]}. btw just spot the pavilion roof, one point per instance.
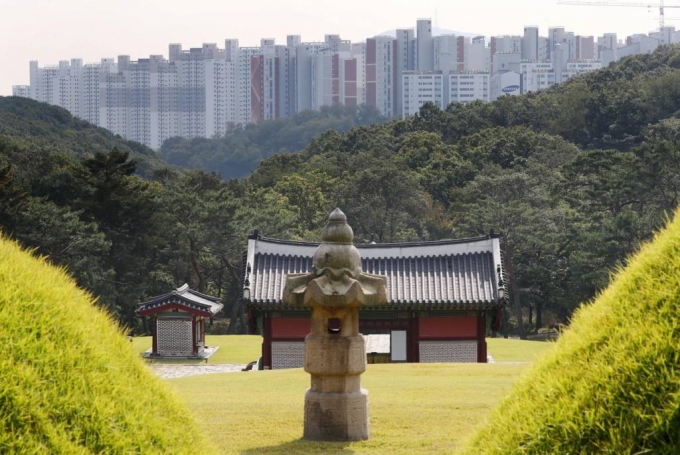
{"type": "Point", "coordinates": [448, 274]}
{"type": "Point", "coordinates": [182, 297]}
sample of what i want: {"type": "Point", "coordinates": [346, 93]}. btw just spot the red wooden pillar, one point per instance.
{"type": "Point", "coordinates": [266, 341]}
{"type": "Point", "coordinates": [481, 337]}
{"type": "Point", "coordinates": [413, 338]}
{"type": "Point", "coordinates": [252, 326]}
{"type": "Point", "coordinates": [154, 337]}
{"type": "Point", "coordinates": [193, 335]}
{"type": "Point", "coordinates": [203, 330]}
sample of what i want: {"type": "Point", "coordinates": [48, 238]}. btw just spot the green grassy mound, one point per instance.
{"type": "Point", "coordinates": [69, 380]}
{"type": "Point", "coordinates": [612, 383]}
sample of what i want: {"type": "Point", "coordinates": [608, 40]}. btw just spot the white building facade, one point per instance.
{"type": "Point", "coordinates": [468, 86]}
{"type": "Point", "coordinates": [420, 87]}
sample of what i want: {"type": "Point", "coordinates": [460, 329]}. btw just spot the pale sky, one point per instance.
{"type": "Point", "coordinates": [53, 30]}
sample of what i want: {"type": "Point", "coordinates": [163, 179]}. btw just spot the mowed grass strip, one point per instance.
{"type": "Point", "coordinates": [232, 349]}
{"type": "Point", "coordinates": [514, 350]}
{"type": "Point", "coordinates": [414, 408]}
{"type": "Point", "coordinates": [246, 348]}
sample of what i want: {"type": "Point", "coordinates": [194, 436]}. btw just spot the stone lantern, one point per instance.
{"type": "Point", "coordinates": [336, 407]}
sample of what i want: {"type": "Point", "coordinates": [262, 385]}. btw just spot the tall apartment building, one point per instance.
{"type": "Point", "coordinates": [507, 61]}
{"type": "Point", "coordinates": [70, 85]}
{"type": "Point", "coordinates": [264, 87]}
{"type": "Point", "coordinates": [665, 36]}
{"type": "Point", "coordinates": [404, 60]}
{"type": "Point", "coordinates": [530, 43]}
{"type": "Point", "coordinates": [536, 75]}
{"type": "Point", "coordinates": [504, 45]}
{"type": "Point", "coordinates": [468, 86]}
{"type": "Point", "coordinates": [381, 77]}
{"type": "Point", "coordinates": [325, 78]}
{"type": "Point", "coordinates": [205, 91]}
{"type": "Point", "coordinates": [334, 74]}
{"type": "Point", "coordinates": [478, 56]}
{"type": "Point", "coordinates": [221, 96]}
{"type": "Point", "coordinates": [445, 53]}
{"type": "Point", "coordinates": [585, 48]}
{"type": "Point", "coordinates": [304, 53]}
{"type": "Point", "coordinates": [21, 90]}
{"type": "Point", "coordinates": [424, 57]}
{"type": "Point", "coordinates": [292, 42]}
{"type": "Point", "coordinates": [359, 54]}
{"type": "Point", "coordinates": [420, 87]}
{"type": "Point", "coordinates": [637, 44]}
{"type": "Point", "coordinates": [608, 46]}
{"type": "Point", "coordinates": [556, 36]}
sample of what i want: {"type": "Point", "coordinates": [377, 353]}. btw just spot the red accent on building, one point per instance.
{"type": "Point", "coordinates": [481, 339]}
{"type": "Point", "coordinates": [193, 334]}
{"type": "Point", "coordinates": [442, 322]}
{"type": "Point", "coordinates": [267, 341]}
{"type": "Point", "coordinates": [350, 98]}
{"type": "Point", "coordinates": [413, 353]}
{"type": "Point", "coordinates": [460, 41]}
{"type": "Point", "coordinates": [371, 73]}
{"type": "Point", "coordinates": [256, 89]}
{"type": "Point", "coordinates": [154, 336]}
{"type": "Point", "coordinates": [296, 328]}
{"type": "Point", "coordinates": [447, 327]}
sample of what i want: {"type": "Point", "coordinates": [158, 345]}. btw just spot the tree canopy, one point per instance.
{"type": "Point", "coordinates": [574, 177]}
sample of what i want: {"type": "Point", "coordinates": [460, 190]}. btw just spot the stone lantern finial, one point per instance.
{"type": "Point", "coordinates": [336, 407]}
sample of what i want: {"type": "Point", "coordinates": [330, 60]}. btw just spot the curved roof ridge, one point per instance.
{"type": "Point", "coordinates": [205, 296]}
{"type": "Point", "coordinates": [420, 256]}
{"type": "Point", "coordinates": [384, 245]}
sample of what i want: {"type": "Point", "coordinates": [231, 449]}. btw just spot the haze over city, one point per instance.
{"type": "Point", "coordinates": [50, 31]}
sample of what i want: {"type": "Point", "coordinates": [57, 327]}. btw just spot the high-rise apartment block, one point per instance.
{"type": "Point", "coordinates": [420, 87]}
{"type": "Point", "coordinates": [468, 86]}
{"type": "Point", "coordinates": [381, 77]}
{"type": "Point", "coordinates": [207, 91]}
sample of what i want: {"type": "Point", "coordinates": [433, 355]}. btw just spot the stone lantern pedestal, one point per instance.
{"type": "Point", "coordinates": [336, 407]}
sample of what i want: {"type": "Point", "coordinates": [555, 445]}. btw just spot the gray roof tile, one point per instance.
{"type": "Point", "coordinates": [448, 275]}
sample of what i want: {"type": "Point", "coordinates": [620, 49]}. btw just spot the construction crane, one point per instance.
{"type": "Point", "coordinates": [659, 4]}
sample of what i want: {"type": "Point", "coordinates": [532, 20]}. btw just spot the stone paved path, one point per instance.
{"type": "Point", "coordinates": [181, 371]}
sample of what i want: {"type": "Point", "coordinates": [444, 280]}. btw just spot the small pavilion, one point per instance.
{"type": "Point", "coordinates": [179, 321]}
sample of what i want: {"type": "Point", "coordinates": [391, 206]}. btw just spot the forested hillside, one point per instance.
{"type": "Point", "coordinates": [40, 129]}
{"type": "Point", "coordinates": [238, 153]}
{"type": "Point", "coordinates": [574, 177]}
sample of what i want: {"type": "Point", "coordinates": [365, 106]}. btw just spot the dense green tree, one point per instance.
{"type": "Point", "coordinates": [126, 208]}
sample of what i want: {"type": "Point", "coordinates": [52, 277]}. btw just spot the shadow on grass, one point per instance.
{"type": "Point", "coordinates": [302, 446]}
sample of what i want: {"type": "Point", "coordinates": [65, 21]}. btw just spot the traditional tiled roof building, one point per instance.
{"type": "Point", "coordinates": [179, 321]}
{"type": "Point", "coordinates": [443, 297]}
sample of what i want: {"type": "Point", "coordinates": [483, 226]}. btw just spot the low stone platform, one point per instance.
{"type": "Point", "coordinates": [205, 355]}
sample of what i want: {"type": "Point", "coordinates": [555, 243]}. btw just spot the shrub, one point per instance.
{"type": "Point", "coordinates": [612, 384]}
{"type": "Point", "coordinates": [69, 381]}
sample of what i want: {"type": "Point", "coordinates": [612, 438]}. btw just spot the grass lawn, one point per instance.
{"type": "Point", "coordinates": [512, 350]}
{"type": "Point", "coordinates": [233, 349]}
{"type": "Point", "coordinates": [246, 348]}
{"type": "Point", "coordinates": [415, 408]}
